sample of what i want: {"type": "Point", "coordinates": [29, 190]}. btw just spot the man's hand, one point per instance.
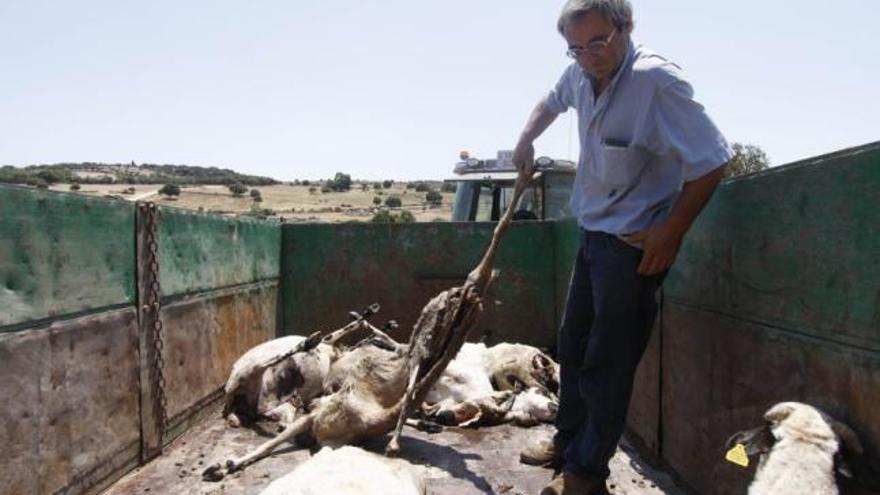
{"type": "Point", "coordinates": [524, 157]}
{"type": "Point", "coordinates": [660, 243]}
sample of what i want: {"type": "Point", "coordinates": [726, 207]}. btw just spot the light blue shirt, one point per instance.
{"type": "Point", "coordinates": [640, 141]}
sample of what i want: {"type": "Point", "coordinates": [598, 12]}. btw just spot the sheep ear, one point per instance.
{"type": "Point", "coordinates": [541, 361]}
{"type": "Point", "coordinates": [848, 438]}
{"type": "Point", "coordinates": [778, 413]}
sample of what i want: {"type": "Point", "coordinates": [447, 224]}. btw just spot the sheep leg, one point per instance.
{"type": "Point", "coordinates": [216, 472]}
{"type": "Point", "coordinates": [384, 337]}
{"type": "Point", "coordinates": [393, 447]}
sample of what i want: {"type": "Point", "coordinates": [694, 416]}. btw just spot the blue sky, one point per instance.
{"type": "Point", "coordinates": [394, 89]}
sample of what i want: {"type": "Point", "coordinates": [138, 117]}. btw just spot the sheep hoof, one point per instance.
{"type": "Point", "coordinates": [214, 472]}
{"type": "Point", "coordinates": [392, 449]}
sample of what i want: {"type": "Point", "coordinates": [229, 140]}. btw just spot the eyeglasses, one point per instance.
{"type": "Point", "coordinates": [592, 48]}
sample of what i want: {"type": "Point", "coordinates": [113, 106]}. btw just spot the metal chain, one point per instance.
{"type": "Point", "coordinates": [158, 364]}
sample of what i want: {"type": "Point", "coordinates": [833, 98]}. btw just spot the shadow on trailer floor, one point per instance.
{"type": "Point", "coordinates": [456, 461]}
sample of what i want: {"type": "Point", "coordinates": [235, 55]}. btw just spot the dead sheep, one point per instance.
{"type": "Point", "coordinates": [464, 394]}
{"type": "Point", "coordinates": [800, 450]}
{"type": "Point", "coordinates": [349, 470]}
{"type": "Point", "coordinates": [254, 392]}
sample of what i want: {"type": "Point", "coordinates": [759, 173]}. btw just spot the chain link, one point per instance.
{"type": "Point", "coordinates": [153, 301]}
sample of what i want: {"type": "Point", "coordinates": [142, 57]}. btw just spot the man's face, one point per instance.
{"type": "Point", "coordinates": [592, 28]}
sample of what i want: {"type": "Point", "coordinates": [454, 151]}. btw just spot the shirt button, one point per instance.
{"type": "Point", "coordinates": [612, 193]}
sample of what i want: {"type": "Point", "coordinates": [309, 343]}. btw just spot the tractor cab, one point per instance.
{"type": "Point", "coordinates": [484, 189]}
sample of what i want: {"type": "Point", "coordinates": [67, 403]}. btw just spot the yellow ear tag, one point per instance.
{"type": "Point", "coordinates": [737, 455]}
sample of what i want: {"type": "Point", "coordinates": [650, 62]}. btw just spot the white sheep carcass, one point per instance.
{"type": "Point", "coordinates": [254, 391]}
{"type": "Point", "coordinates": [352, 471]}
{"type": "Point", "coordinates": [800, 448]}
{"type": "Point", "coordinates": [464, 393]}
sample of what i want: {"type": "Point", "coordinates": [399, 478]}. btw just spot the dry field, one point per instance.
{"type": "Point", "coordinates": [293, 202]}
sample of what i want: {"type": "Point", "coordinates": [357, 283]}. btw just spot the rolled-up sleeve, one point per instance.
{"type": "Point", "coordinates": [561, 97]}
{"type": "Point", "coordinates": [683, 127]}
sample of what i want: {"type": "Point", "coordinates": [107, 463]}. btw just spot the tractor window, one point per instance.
{"type": "Point", "coordinates": [464, 199]}
{"type": "Point", "coordinates": [557, 190]}
{"type": "Point", "coordinates": [529, 207]}
{"type": "Point", "coordinates": [484, 204]}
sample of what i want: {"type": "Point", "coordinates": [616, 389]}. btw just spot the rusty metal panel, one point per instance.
{"type": "Point", "coordinates": [204, 336]}
{"type": "Point", "coordinates": [720, 374]}
{"type": "Point", "coordinates": [62, 254]}
{"type": "Point", "coordinates": [70, 403]}
{"type": "Point", "coordinates": [206, 252]}
{"type": "Point", "coordinates": [643, 419]}
{"type": "Point", "coordinates": [328, 270]}
{"type": "Point", "coordinates": [797, 247]}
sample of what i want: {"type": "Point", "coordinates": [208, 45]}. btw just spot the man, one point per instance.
{"type": "Point", "coordinates": [650, 160]}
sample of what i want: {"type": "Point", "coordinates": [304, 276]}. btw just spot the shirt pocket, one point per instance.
{"type": "Point", "coordinates": [620, 167]}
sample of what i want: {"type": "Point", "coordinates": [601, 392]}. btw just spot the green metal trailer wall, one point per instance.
{"type": "Point", "coordinates": [68, 341]}
{"type": "Point", "coordinates": [775, 296]}
{"type": "Point", "coordinates": [77, 409]}
{"type": "Point", "coordinates": [328, 270]}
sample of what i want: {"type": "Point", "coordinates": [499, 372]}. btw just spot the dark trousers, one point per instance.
{"type": "Point", "coordinates": [606, 326]}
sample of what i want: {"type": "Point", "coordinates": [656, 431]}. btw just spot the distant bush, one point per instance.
{"type": "Point", "coordinates": [339, 183]}
{"type": "Point", "coordinates": [387, 184]}
{"type": "Point", "coordinates": [385, 216]}
{"type": "Point", "coordinates": [313, 189]}
{"type": "Point", "coordinates": [377, 186]}
{"type": "Point", "coordinates": [377, 200]}
{"type": "Point", "coordinates": [75, 187]}
{"type": "Point", "coordinates": [448, 187]}
{"type": "Point", "coordinates": [256, 196]}
{"type": "Point", "coordinates": [237, 189]}
{"type": "Point", "coordinates": [393, 202]}
{"type": "Point", "coordinates": [422, 187]}
{"type": "Point", "coordinates": [306, 182]}
{"type": "Point", "coordinates": [326, 189]}
{"type": "Point", "coordinates": [434, 198]}
{"type": "Point", "coordinates": [170, 190]}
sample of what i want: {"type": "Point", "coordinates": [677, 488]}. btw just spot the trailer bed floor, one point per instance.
{"type": "Point", "coordinates": [456, 461]}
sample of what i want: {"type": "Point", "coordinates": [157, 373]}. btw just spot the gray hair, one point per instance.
{"type": "Point", "coordinates": [619, 12]}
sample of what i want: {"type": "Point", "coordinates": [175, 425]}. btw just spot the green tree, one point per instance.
{"type": "Point", "coordinates": [747, 159]}
{"type": "Point", "coordinates": [170, 190]}
{"type": "Point", "coordinates": [434, 198]}
{"type": "Point", "coordinates": [340, 182]}
{"type": "Point", "coordinates": [256, 196]}
{"type": "Point", "coordinates": [393, 202]}
{"type": "Point", "coordinates": [237, 189]}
